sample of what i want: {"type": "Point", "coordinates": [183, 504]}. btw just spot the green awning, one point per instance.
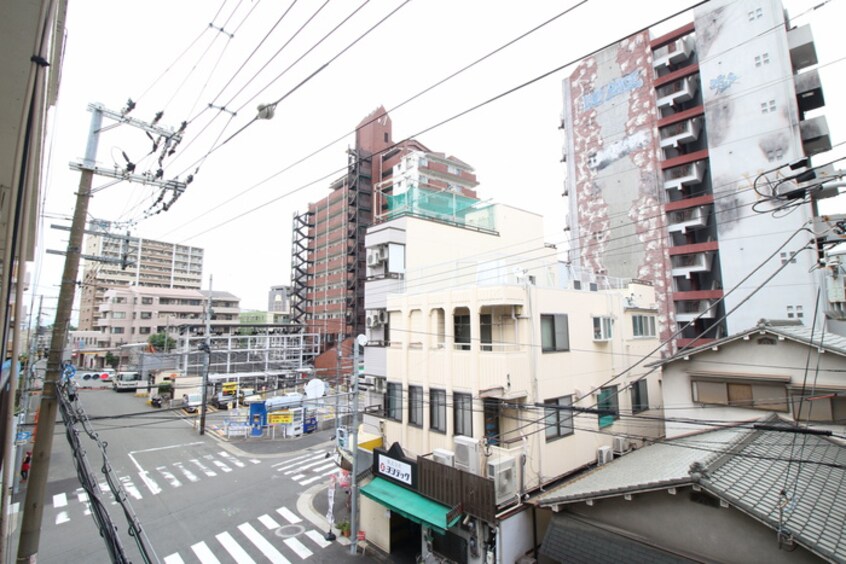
{"type": "Point", "coordinates": [409, 504]}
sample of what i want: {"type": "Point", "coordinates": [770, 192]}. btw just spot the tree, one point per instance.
{"type": "Point", "coordinates": [112, 360]}
{"type": "Point", "coordinates": [161, 342]}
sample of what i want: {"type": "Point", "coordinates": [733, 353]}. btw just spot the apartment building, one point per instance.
{"type": "Point", "coordinates": [673, 148]}
{"type": "Point", "coordinates": [501, 368]}
{"type": "Point", "coordinates": [328, 259]}
{"type": "Point", "coordinates": [132, 314]}
{"type": "Point", "coordinates": [132, 261]}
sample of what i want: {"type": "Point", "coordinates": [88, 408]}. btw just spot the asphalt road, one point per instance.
{"type": "Point", "coordinates": [197, 498]}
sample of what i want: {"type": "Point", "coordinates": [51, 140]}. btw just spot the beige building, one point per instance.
{"type": "Point", "coordinates": [497, 359]}
{"type": "Point", "coordinates": [133, 261]}
{"type": "Point", "coordinates": [132, 314]}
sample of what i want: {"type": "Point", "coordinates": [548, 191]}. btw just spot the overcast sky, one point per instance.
{"type": "Point", "coordinates": [167, 56]}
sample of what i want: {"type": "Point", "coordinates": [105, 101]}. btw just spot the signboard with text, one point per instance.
{"type": "Point", "coordinates": [395, 466]}
{"type": "Point", "coordinates": [280, 418]}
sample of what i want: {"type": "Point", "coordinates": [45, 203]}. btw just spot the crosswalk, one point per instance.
{"type": "Point", "coordinates": [307, 468]}
{"type": "Point", "coordinates": [261, 539]}
{"type": "Point", "coordinates": [174, 475]}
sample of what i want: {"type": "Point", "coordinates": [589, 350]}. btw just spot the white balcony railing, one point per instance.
{"type": "Point", "coordinates": [680, 133]}
{"type": "Point", "coordinates": [677, 177]}
{"type": "Point", "coordinates": [673, 53]}
{"type": "Point", "coordinates": [685, 265]}
{"type": "Point", "coordinates": [690, 219]}
{"type": "Point", "coordinates": [677, 92]}
{"type": "Point", "coordinates": [688, 311]}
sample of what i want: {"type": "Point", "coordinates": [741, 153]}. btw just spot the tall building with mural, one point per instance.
{"type": "Point", "coordinates": [672, 143]}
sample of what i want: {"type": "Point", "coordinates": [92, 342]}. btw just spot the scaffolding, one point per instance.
{"type": "Point", "coordinates": [300, 262]}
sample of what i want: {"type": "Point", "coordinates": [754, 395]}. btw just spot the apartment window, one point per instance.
{"type": "Point", "coordinates": [763, 59]}
{"type": "Point", "coordinates": [755, 14]}
{"type": "Point", "coordinates": [146, 315]}
{"type": "Point", "coordinates": [486, 332]}
{"type": "Point", "coordinates": [608, 406]}
{"type": "Point", "coordinates": [826, 406]}
{"type": "Point", "coordinates": [437, 410]}
{"type": "Point", "coordinates": [461, 327]}
{"type": "Point", "coordinates": [144, 330]}
{"type": "Point", "coordinates": [769, 396]}
{"type": "Point", "coordinates": [602, 328]}
{"type": "Point", "coordinates": [640, 396]}
{"type": "Point", "coordinates": [118, 315]}
{"type": "Point", "coordinates": [786, 257]}
{"type": "Point", "coordinates": [393, 402]}
{"type": "Point", "coordinates": [415, 406]}
{"type": "Point", "coordinates": [462, 408]}
{"type": "Point", "coordinates": [117, 331]}
{"type": "Point", "coordinates": [768, 107]}
{"type": "Point", "coordinates": [555, 333]}
{"type": "Point", "coordinates": [795, 312]}
{"type": "Point", "coordinates": [643, 325]}
{"type": "Point", "coordinates": [146, 301]}
{"type": "Point", "coordinates": [558, 418]}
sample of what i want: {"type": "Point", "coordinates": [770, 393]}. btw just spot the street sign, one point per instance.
{"type": "Point", "coordinates": [23, 436]}
{"type": "Point", "coordinates": [282, 417]}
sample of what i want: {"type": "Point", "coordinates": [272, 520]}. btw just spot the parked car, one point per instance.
{"type": "Point", "coordinates": [222, 401]}
{"type": "Point", "coordinates": [107, 375]}
{"type": "Point", "coordinates": [192, 402]}
{"type": "Point", "coordinates": [156, 401]}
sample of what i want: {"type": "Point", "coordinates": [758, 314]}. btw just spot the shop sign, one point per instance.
{"type": "Point", "coordinates": [280, 418]}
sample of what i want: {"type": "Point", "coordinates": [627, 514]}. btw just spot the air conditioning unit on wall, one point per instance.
{"type": "Point", "coordinates": [443, 456]}
{"type": "Point", "coordinates": [604, 455]}
{"type": "Point", "coordinates": [467, 454]}
{"type": "Point", "coordinates": [503, 471]}
{"type": "Point", "coordinates": [621, 446]}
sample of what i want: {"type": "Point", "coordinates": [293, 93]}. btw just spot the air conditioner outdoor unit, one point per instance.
{"type": "Point", "coordinates": [604, 455]}
{"type": "Point", "coordinates": [503, 471]}
{"type": "Point", "coordinates": [383, 315]}
{"type": "Point", "coordinates": [373, 258]}
{"type": "Point", "coordinates": [373, 320]}
{"type": "Point", "coordinates": [467, 454]}
{"type": "Point", "coordinates": [621, 446]}
{"type": "Point", "coordinates": [379, 385]}
{"type": "Point", "coordinates": [370, 380]}
{"type": "Point", "coordinates": [443, 456]}
{"type": "Point", "coordinates": [382, 251]}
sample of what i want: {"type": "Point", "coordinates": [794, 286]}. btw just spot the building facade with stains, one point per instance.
{"type": "Point", "coordinates": [675, 147]}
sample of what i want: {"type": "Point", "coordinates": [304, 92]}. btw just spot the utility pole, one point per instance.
{"type": "Point", "coordinates": [206, 346]}
{"type": "Point", "coordinates": [361, 340]}
{"type": "Point", "coordinates": [33, 508]}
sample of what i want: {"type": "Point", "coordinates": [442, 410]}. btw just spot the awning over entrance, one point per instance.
{"type": "Point", "coordinates": [409, 504]}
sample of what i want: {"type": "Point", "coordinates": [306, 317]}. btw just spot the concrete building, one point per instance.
{"type": "Point", "coordinates": [495, 360]}
{"type": "Point", "coordinates": [148, 263]}
{"type": "Point", "coordinates": [133, 313]}
{"type": "Point", "coordinates": [328, 259]}
{"type": "Point", "coordinates": [677, 152]}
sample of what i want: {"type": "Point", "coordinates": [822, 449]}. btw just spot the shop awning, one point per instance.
{"type": "Point", "coordinates": [409, 504]}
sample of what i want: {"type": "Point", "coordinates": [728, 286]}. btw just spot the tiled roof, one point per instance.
{"type": "Point", "coordinates": [749, 471]}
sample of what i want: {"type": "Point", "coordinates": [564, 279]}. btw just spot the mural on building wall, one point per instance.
{"type": "Point", "coordinates": [617, 173]}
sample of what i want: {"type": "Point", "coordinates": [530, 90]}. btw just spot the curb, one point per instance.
{"type": "Point", "coordinates": [305, 506]}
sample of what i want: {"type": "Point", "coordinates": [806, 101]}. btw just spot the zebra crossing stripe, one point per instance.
{"type": "Point", "coordinates": [291, 460]}
{"type": "Point", "coordinates": [62, 517]}
{"type": "Point", "coordinates": [204, 553]}
{"type": "Point", "coordinates": [174, 559]}
{"type": "Point", "coordinates": [317, 538]}
{"type": "Point", "coordinates": [168, 475]}
{"type": "Point", "coordinates": [130, 487]}
{"type": "Point", "coordinates": [299, 463]}
{"type": "Point", "coordinates": [207, 471]}
{"type": "Point", "coordinates": [231, 459]}
{"type": "Point", "coordinates": [234, 549]}
{"type": "Point", "coordinates": [262, 544]}
{"type": "Point", "coordinates": [288, 515]}
{"type": "Point", "coordinates": [14, 508]}
{"type": "Point", "coordinates": [187, 473]}
{"type": "Point", "coordinates": [306, 466]}
{"type": "Point", "coordinates": [222, 466]}
{"type": "Point", "coordinates": [324, 467]}
{"type": "Point", "coordinates": [83, 498]}
{"type": "Point", "coordinates": [298, 547]}
{"type": "Point", "coordinates": [310, 480]}
{"type": "Point", "coordinates": [298, 477]}
{"type": "Point", "coordinates": [60, 500]}
{"type": "Point", "coordinates": [149, 482]}
{"type": "Point", "coordinates": [269, 521]}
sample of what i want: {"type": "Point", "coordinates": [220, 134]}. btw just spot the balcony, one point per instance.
{"type": "Point", "coordinates": [688, 311]}
{"type": "Point", "coordinates": [809, 93]}
{"type": "Point", "coordinates": [690, 219]}
{"type": "Point", "coordinates": [800, 41]}
{"type": "Point", "coordinates": [815, 137]}
{"type": "Point", "coordinates": [680, 176]}
{"type": "Point", "coordinates": [680, 133]}
{"type": "Point", "coordinates": [685, 265]}
{"type": "Point", "coordinates": [672, 54]}
{"type": "Point", "coordinates": [677, 92]}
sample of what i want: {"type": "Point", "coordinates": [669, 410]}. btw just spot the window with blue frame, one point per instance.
{"type": "Point", "coordinates": [608, 406]}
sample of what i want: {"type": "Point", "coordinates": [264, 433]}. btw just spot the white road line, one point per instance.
{"type": "Point", "coordinates": [149, 482]}
{"type": "Point", "coordinates": [254, 460]}
{"type": "Point", "coordinates": [318, 538]}
{"type": "Point", "coordinates": [310, 480]}
{"type": "Point", "coordinates": [262, 544]}
{"type": "Point", "coordinates": [298, 547]}
{"type": "Point", "coordinates": [297, 477]}
{"type": "Point", "coordinates": [62, 517]}
{"type": "Point", "coordinates": [130, 488]}
{"type": "Point", "coordinates": [268, 521]}
{"type": "Point", "coordinates": [168, 475]}
{"type": "Point", "coordinates": [207, 471]}
{"type": "Point", "coordinates": [222, 466]}
{"type": "Point", "coordinates": [83, 498]}
{"type": "Point", "coordinates": [60, 500]}
{"type": "Point", "coordinates": [291, 460]}
{"type": "Point", "coordinates": [14, 508]}
{"type": "Point", "coordinates": [299, 464]}
{"type": "Point", "coordinates": [289, 515]}
{"type": "Point", "coordinates": [231, 459]}
{"type": "Point", "coordinates": [187, 473]}
{"type": "Point", "coordinates": [324, 467]}
{"type": "Point", "coordinates": [174, 559]}
{"type": "Point", "coordinates": [204, 553]}
{"type": "Point", "coordinates": [234, 549]}
{"type": "Point", "coordinates": [306, 466]}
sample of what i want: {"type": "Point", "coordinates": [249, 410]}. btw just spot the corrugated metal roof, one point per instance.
{"type": "Point", "coordinates": [750, 476]}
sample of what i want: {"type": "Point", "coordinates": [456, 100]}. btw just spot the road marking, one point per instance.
{"type": "Point", "coordinates": [222, 466]}
{"type": "Point", "coordinates": [204, 553]}
{"type": "Point", "coordinates": [168, 475]}
{"type": "Point", "coordinates": [289, 515]}
{"type": "Point", "coordinates": [268, 521]}
{"type": "Point", "coordinates": [60, 500]}
{"type": "Point", "coordinates": [262, 544]}
{"type": "Point", "coordinates": [234, 549]}
{"type": "Point", "coordinates": [309, 465]}
{"type": "Point", "coordinates": [83, 498]}
{"type": "Point", "coordinates": [290, 460]}
{"type": "Point", "coordinates": [207, 471]}
{"type": "Point", "coordinates": [14, 508]}
{"type": "Point", "coordinates": [310, 480]}
{"type": "Point", "coordinates": [188, 474]}
{"type": "Point", "coordinates": [318, 539]}
{"type": "Point", "coordinates": [297, 477]}
{"type": "Point", "coordinates": [62, 517]}
{"type": "Point", "coordinates": [324, 467]}
{"type": "Point", "coordinates": [298, 547]}
{"type": "Point", "coordinates": [299, 462]}
{"type": "Point", "coordinates": [149, 482]}
{"type": "Point", "coordinates": [130, 488]}
{"type": "Point", "coordinates": [174, 559]}
{"type": "Point", "coordinates": [254, 460]}
{"type": "Point", "coordinates": [231, 459]}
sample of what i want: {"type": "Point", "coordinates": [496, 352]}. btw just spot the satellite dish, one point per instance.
{"type": "Point", "coordinates": [315, 389]}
